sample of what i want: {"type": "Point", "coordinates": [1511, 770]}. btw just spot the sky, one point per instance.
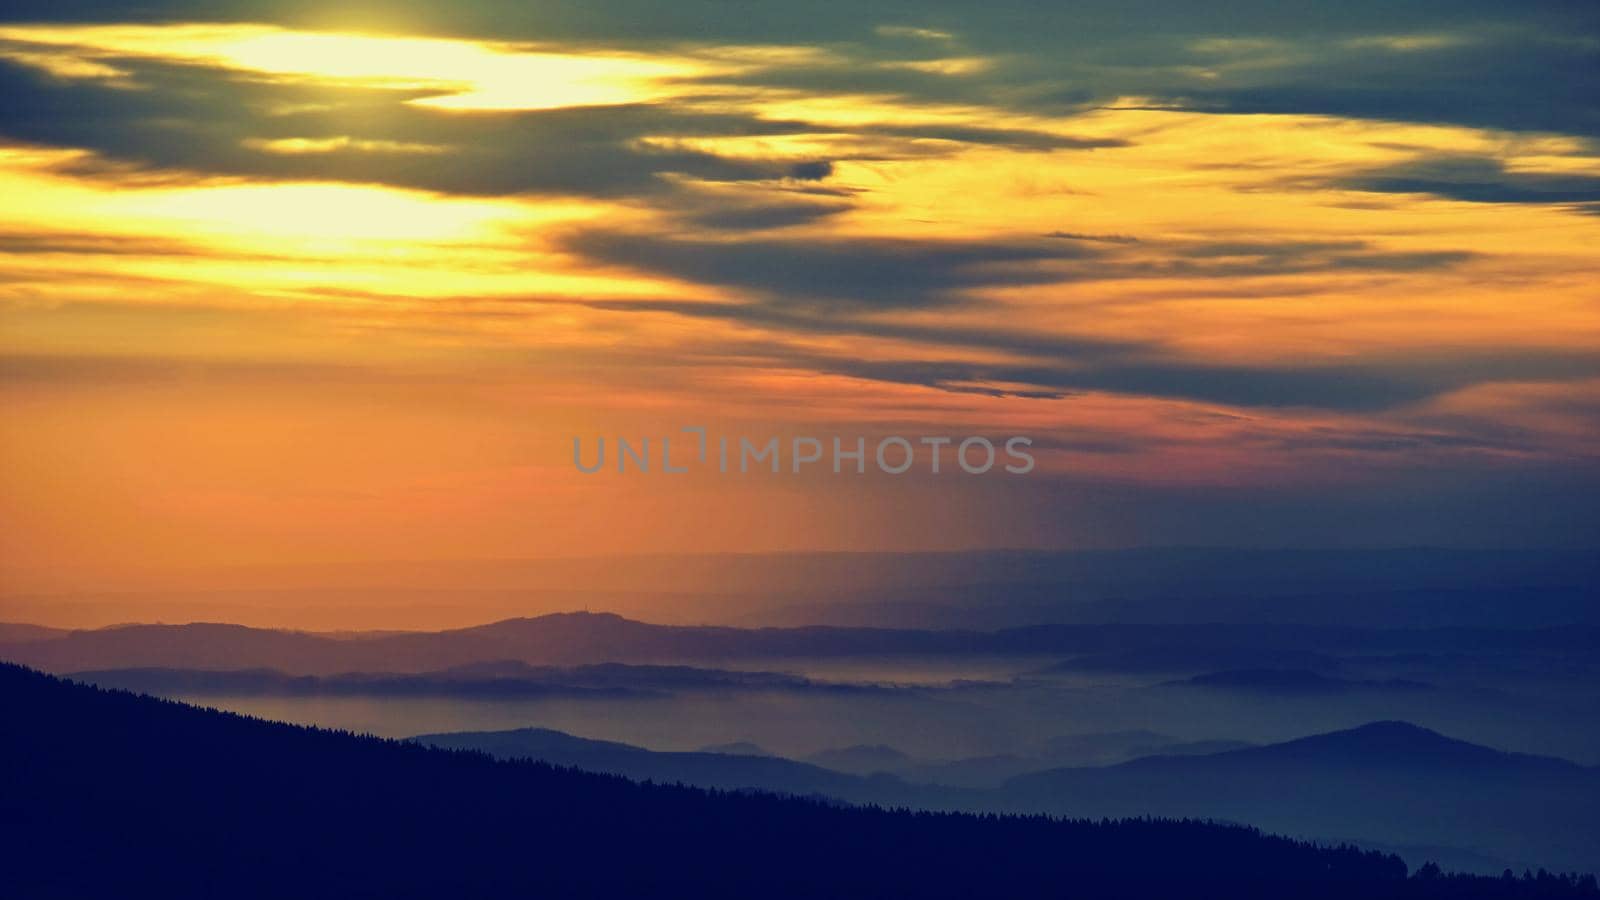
{"type": "Point", "coordinates": [281, 283]}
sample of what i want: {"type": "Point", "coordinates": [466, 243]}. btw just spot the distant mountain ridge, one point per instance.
{"type": "Point", "coordinates": [861, 759]}
{"type": "Point", "coordinates": [586, 638]}
{"type": "Point", "coordinates": [102, 786]}
{"type": "Point", "coordinates": [722, 771]}
{"type": "Point", "coordinates": [1390, 782]}
{"type": "Point", "coordinates": [977, 590]}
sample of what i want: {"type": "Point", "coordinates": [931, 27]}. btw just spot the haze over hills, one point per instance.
{"type": "Point", "coordinates": [858, 774]}
{"type": "Point", "coordinates": [578, 638]}
{"type": "Point", "coordinates": [121, 780]}
{"type": "Point", "coordinates": [1105, 748]}
{"type": "Point", "coordinates": [473, 680]}
{"type": "Point", "coordinates": [980, 590]}
{"type": "Point", "coordinates": [862, 759]}
{"type": "Point", "coordinates": [1294, 681]}
{"type": "Point", "coordinates": [1389, 784]}
{"type": "Point", "coordinates": [17, 633]}
{"type": "Point", "coordinates": [556, 639]}
{"type": "Point", "coordinates": [1029, 719]}
{"type": "Point", "coordinates": [577, 671]}
{"type": "Point", "coordinates": [723, 771]}
{"type": "Point", "coordinates": [736, 748]}
{"type": "Point", "coordinates": [239, 793]}
{"type": "Point", "coordinates": [994, 770]}
{"type": "Point", "coordinates": [964, 695]}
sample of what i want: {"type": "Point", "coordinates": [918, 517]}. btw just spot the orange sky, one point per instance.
{"type": "Point", "coordinates": [275, 294]}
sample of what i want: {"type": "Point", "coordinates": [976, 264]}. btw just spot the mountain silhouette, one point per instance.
{"type": "Point", "coordinates": [16, 633]}
{"type": "Point", "coordinates": [557, 639]}
{"type": "Point", "coordinates": [1398, 744]}
{"type": "Point", "coordinates": [862, 774]}
{"type": "Point", "coordinates": [723, 771]}
{"type": "Point", "coordinates": [113, 794]}
{"type": "Point", "coordinates": [1108, 747]}
{"type": "Point", "coordinates": [569, 639]}
{"type": "Point", "coordinates": [861, 759]}
{"type": "Point", "coordinates": [983, 590]}
{"type": "Point", "coordinates": [1388, 782]}
{"type": "Point", "coordinates": [737, 748]}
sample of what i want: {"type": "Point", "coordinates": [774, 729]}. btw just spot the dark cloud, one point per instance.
{"type": "Point", "coordinates": [1355, 387]}
{"type": "Point", "coordinates": [1340, 388]}
{"type": "Point", "coordinates": [811, 171]}
{"type": "Point", "coordinates": [832, 272]}
{"type": "Point", "coordinates": [1513, 79]}
{"type": "Point", "coordinates": [1529, 68]}
{"type": "Point", "coordinates": [54, 242]}
{"type": "Point", "coordinates": [1485, 63]}
{"type": "Point", "coordinates": [1047, 365]}
{"type": "Point", "coordinates": [1476, 179]}
{"type": "Point", "coordinates": [1228, 259]}
{"type": "Point", "coordinates": [1105, 238]}
{"type": "Point", "coordinates": [1055, 366]}
{"type": "Point", "coordinates": [761, 216]}
{"type": "Point", "coordinates": [887, 272]}
{"type": "Point", "coordinates": [207, 122]}
{"type": "Point", "coordinates": [197, 120]}
{"type": "Point", "coordinates": [1368, 440]}
{"type": "Point", "coordinates": [1014, 138]}
{"type": "Point", "coordinates": [1022, 343]}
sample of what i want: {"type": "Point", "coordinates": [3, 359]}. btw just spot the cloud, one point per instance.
{"type": "Point", "coordinates": [55, 242]}
{"type": "Point", "coordinates": [762, 216]}
{"type": "Point", "coordinates": [1482, 63]}
{"type": "Point", "coordinates": [1055, 365]}
{"type": "Point", "coordinates": [873, 272]}
{"type": "Point", "coordinates": [204, 121]}
{"type": "Point", "coordinates": [1219, 259]}
{"type": "Point", "coordinates": [1475, 179]}
{"type": "Point", "coordinates": [1348, 388]}
{"type": "Point", "coordinates": [736, 219]}
{"type": "Point", "coordinates": [1507, 78]}
{"type": "Point", "coordinates": [864, 272]}
{"type": "Point", "coordinates": [1373, 386]}
{"type": "Point", "coordinates": [811, 171]}
{"type": "Point", "coordinates": [1106, 238]}
{"type": "Point", "coordinates": [1038, 344]}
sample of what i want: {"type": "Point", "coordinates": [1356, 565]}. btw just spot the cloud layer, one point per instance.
{"type": "Point", "coordinates": [1292, 246]}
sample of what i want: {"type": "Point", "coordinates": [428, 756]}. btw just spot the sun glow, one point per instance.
{"type": "Point", "coordinates": [242, 238]}
{"type": "Point", "coordinates": [449, 74]}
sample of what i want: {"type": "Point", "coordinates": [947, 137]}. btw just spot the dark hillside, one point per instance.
{"type": "Point", "coordinates": [114, 794]}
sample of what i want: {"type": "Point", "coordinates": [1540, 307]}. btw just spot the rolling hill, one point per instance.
{"type": "Point", "coordinates": [1386, 782]}
{"type": "Point", "coordinates": [722, 771]}
{"type": "Point", "coordinates": [567, 639]}
{"type": "Point", "coordinates": [1389, 784]}
{"type": "Point", "coordinates": [115, 794]}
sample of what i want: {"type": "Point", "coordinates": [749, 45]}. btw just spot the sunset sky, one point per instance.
{"type": "Point", "coordinates": [280, 284]}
